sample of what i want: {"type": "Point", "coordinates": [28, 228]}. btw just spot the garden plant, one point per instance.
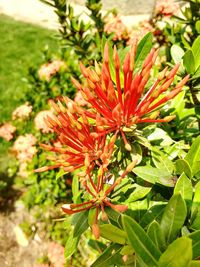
{"type": "Point", "coordinates": [107, 142]}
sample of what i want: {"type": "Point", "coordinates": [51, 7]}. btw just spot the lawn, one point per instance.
{"type": "Point", "coordinates": [21, 47]}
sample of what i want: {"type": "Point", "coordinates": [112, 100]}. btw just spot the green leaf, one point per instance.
{"type": "Point", "coordinates": [196, 201]}
{"type": "Point", "coordinates": [113, 233]}
{"type": "Point", "coordinates": [197, 26]}
{"type": "Point", "coordinates": [75, 189]}
{"type": "Point", "coordinates": [173, 217]}
{"type": "Point", "coordinates": [178, 254]}
{"type": "Point", "coordinates": [188, 61]}
{"type": "Point", "coordinates": [81, 224]}
{"type": "Point", "coordinates": [91, 216]}
{"type": "Point", "coordinates": [112, 214]}
{"type": "Point", "coordinates": [184, 187]}
{"type": "Point", "coordinates": [143, 50]}
{"type": "Point", "coordinates": [137, 209]}
{"type": "Point", "coordinates": [178, 104]}
{"type": "Point", "coordinates": [161, 161]}
{"type": "Point", "coordinates": [155, 233]}
{"type": "Point", "coordinates": [194, 264]}
{"type": "Point", "coordinates": [183, 166]}
{"type": "Point", "coordinates": [96, 245]}
{"type": "Point", "coordinates": [177, 53]}
{"type": "Point", "coordinates": [127, 250]}
{"type": "Point", "coordinates": [153, 175]}
{"type": "Point", "coordinates": [138, 193]}
{"type": "Point", "coordinates": [109, 257]}
{"type": "Point", "coordinates": [141, 243]}
{"type": "Point", "coordinates": [71, 245]}
{"type": "Point", "coordinates": [195, 236]}
{"type": "Point", "coordinates": [193, 156]}
{"type": "Point", "coordinates": [196, 52]}
{"type": "Point", "coordinates": [152, 214]}
{"type": "Point", "coordinates": [159, 135]}
{"type": "Point", "coordinates": [60, 173]}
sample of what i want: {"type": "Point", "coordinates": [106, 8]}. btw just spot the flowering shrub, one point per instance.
{"type": "Point", "coordinates": [6, 131]}
{"type": "Point", "coordinates": [40, 121]}
{"type": "Point", "coordinates": [46, 71]}
{"type": "Point", "coordinates": [124, 154]}
{"type": "Point", "coordinates": [22, 112]}
{"type": "Point", "coordinates": [114, 24]}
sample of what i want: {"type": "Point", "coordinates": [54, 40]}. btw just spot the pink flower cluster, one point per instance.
{"type": "Point", "coordinates": [47, 70]}
{"type": "Point", "coordinates": [22, 112]}
{"type": "Point", "coordinates": [24, 148]}
{"type": "Point", "coordinates": [115, 25]}
{"type": "Point", "coordinates": [7, 130]}
{"type": "Point", "coordinates": [56, 254]}
{"type": "Point", "coordinates": [40, 121]}
{"type": "Point", "coordinates": [137, 34]}
{"type": "Point", "coordinates": [166, 7]}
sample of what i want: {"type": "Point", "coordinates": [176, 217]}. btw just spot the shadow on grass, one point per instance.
{"type": "Point", "coordinates": [8, 194]}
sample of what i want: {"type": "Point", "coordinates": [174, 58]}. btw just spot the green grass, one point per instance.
{"type": "Point", "coordinates": [21, 46]}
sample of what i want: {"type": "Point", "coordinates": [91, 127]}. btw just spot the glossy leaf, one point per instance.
{"type": "Point", "coordinates": [196, 52]}
{"type": "Point", "coordinates": [177, 53]}
{"type": "Point", "coordinates": [137, 209]}
{"type": "Point", "coordinates": [173, 217]}
{"type": "Point", "coordinates": [127, 250]}
{"type": "Point", "coordinates": [97, 245]}
{"type": "Point", "coordinates": [183, 166]}
{"type": "Point", "coordinates": [113, 233]}
{"type": "Point", "coordinates": [161, 161]}
{"type": "Point", "coordinates": [194, 264]}
{"type": "Point", "coordinates": [138, 193]}
{"type": "Point", "coordinates": [195, 236]}
{"type": "Point", "coordinates": [109, 257]}
{"type": "Point", "coordinates": [196, 201]}
{"type": "Point", "coordinates": [75, 189]}
{"type": "Point", "coordinates": [188, 61]}
{"type": "Point", "coordinates": [152, 214]}
{"type": "Point", "coordinates": [141, 243]}
{"type": "Point", "coordinates": [143, 50]}
{"type": "Point", "coordinates": [193, 156]}
{"type": "Point", "coordinates": [154, 175]}
{"type": "Point", "coordinates": [184, 187]}
{"type": "Point", "coordinates": [71, 245]}
{"type": "Point", "coordinates": [178, 254]}
{"type": "Point", "coordinates": [155, 233]}
{"type": "Point", "coordinates": [81, 224]}
{"type": "Point", "coordinates": [197, 26]}
{"type": "Point", "coordinates": [112, 214]}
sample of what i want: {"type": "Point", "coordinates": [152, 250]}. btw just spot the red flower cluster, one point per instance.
{"type": "Point", "coordinates": [118, 100]}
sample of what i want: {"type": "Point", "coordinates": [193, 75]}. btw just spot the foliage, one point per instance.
{"type": "Point", "coordinates": [127, 154]}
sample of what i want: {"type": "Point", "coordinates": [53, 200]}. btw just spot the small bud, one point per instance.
{"type": "Point", "coordinates": [116, 59]}
{"type": "Point", "coordinates": [169, 118]}
{"type": "Point", "coordinates": [97, 68]}
{"type": "Point", "coordinates": [76, 83]}
{"type": "Point", "coordinates": [42, 169]}
{"type": "Point", "coordinates": [87, 160]}
{"type": "Point", "coordinates": [83, 70]}
{"type": "Point", "coordinates": [96, 230]}
{"type": "Point", "coordinates": [120, 208]}
{"type": "Point", "coordinates": [161, 75]}
{"type": "Point", "coordinates": [126, 65]}
{"type": "Point", "coordinates": [154, 115]}
{"type": "Point", "coordinates": [106, 53]}
{"type": "Point", "coordinates": [131, 166]}
{"type": "Point", "coordinates": [128, 146]}
{"type": "Point", "coordinates": [104, 216]}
